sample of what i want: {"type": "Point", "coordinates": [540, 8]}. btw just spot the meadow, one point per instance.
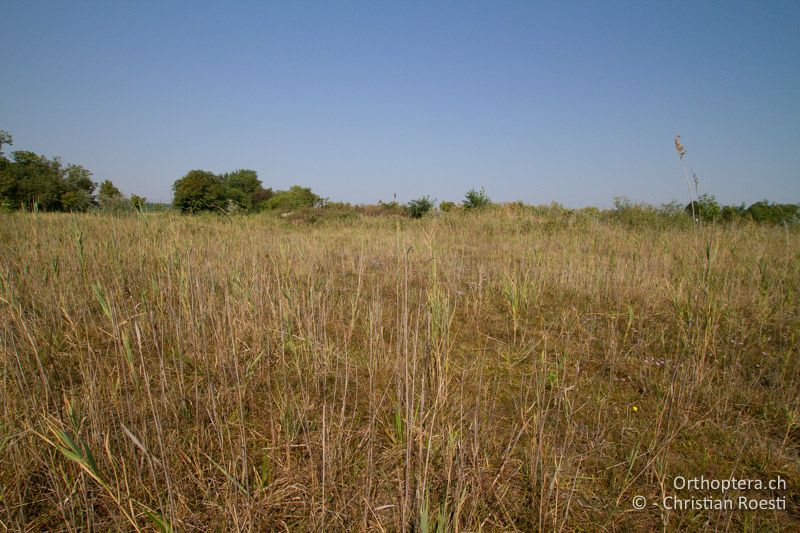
{"type": "Point", "coordinates": [510, 370]}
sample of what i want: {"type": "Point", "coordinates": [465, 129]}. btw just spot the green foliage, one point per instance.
{"type": "Point", "coordinates": [257, 198]}
{"type": "Point", "coordinates": [705, 207]}
{"type": "Point", "coordinates": [38, 180]}
{"type": "Point", "coordinates": [774, 213]}
{"type": "Point", "coordinates": [446, 207]}
{"type": "Point", "coordinates": [5, 138]}
{"type": "Point", "coordinates": [643, 215]}
{"type": "Point", "coordinates": [77, 200]}
{"type": "Point", "coordinates": [138, 202]}
{"type": "Point", "coordinates": [198, 191]}
{"type": "Point", "coordinates": [240, 187]}
{"type": "Point", "coordinates": [295, 198]}
{"type": "Point", "coordinates": [476, 199]}
{"type": "Point", "coordinates": [417, 208]}
{"type": "Point", "coordinates": [33, 180]}
{"type": "Point", "coordinates": [730, 213]}
{"type": "Point", "coordinates": [108, 191]}
{"type": "Point", "coordinates": [110, 198]}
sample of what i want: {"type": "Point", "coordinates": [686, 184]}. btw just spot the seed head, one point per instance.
{"type": "Point", "coordinates": [679, 147]}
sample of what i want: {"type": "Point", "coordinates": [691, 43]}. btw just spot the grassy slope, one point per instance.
{"type": "Point", "coordinates": [500, 371]}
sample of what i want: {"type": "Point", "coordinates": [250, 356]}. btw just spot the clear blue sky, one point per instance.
{"type": "Point", "coordinates": [569, 102]}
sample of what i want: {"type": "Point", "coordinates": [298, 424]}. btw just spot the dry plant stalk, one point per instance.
{"type": "Point", "coordinates": [499, 371]}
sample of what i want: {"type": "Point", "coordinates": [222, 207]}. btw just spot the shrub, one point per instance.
{"type": "Point", "coordinates": [295, 198]}
{"type": "Point", "coordinates": [643, 215]}
{"type": "Point", "coordinates": [446, 207]}
{"type": "Point", "coordinates": [705, 207]}
{"type": "Point", "coordinates": [138, 202]}
{"type": "Point", "coordinates": [240, 187]}
{"type": "Point", "coordinates": [730, 213]}
{"type": "Point", "coordinates": [199, 191]}
{"type": "Point", "coordinates": [774, 213]}
{"type": "Point", "coordinates": [259, 197]}
{"type": "Point", "coordinates": [417, 208]}
{"type": "Point", "coordinates": [476, 199]}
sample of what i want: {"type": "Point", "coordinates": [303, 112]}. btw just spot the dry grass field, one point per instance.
{"type": "Point", "coordinates": [502, 371]}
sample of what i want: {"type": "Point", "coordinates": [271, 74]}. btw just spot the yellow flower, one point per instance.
{"type": "Point", "coordinates": [635, 408]}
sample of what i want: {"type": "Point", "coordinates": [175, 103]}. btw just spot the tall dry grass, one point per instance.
{"type": "Point", "coordinates": [492, 372]}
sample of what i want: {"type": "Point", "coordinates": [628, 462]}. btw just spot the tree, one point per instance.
{"type": "Point", "coordinates": [240, 186]}
{"type": "Point", "coordinates": [730, 213]}
{"type": "Point", "coordinates": [138, 202]}
{"type": "Point", "coordinates": [417, 208]}
{"type": "Point", "coordinates": [109, 197]}
{"type": "Point", "coordinates": [705, 207]}
{"type": "Point", "coordinates": [38, 180]}
{"type": "Point", "coordinates": [30, 179]}
{"type": "Point", "coordinates": [295, 198]}
{"type": "Point", "coordinates": [446, 207]}
{"type": "Point", "coordinates": [77, 200]}
{"type": "Point", "coordinates": [198, 191]}
{"type": "Point", "coordinates": [5, 138]}
{"type": "Point", "coordinates": [476, 199]}
{"type": "Point", "coordinates": [79, 195]}
{"type": "Point", "coordinates": [775, 213]}
{"type": "Point", "coordinates": [260, 197]}
{"type": "Point", "coordinates": [108, 190]}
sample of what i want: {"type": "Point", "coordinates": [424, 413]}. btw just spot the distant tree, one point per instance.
{"type": "Point", "coordinates": [774, 213]}
{"type": "Point", "coordinates": [705, 207]}
{"type": "Point", "coordinates": [7, 181]}
{"type": "Point", "coordinates": [729, 213]}
{"type": "Point", "coordinates": [30, 179]}
{"type": "Point", "coordinates": [77, 200]}
{"type": "Point", "coordinates": [198, 191]}
{"type": "Point", "coordinates": [447, 206]}
{"type": "Point", "coordinates": [37, 180]}
{"type": "Point", "coordinates": [417, 208]}
{"type": "Point", "coordinates": [108, 190]}
{"type": "Point", "coordinates": [5, 138]}
{"type": "Point", "coordinates": [79, 194]}
{"type": "Point", "coordinates": [8, 189]}
{"type": "Point", "coordinates": [476, 199]}
{"type": "Point", "coordinates": [295, 198]}
{"type": "Point", "coordinates": [240, 186]}
{"type": "Point", "coordinates": [138, 202]}
{"type": "Point", "coordinates": [109, 197]}
{"type": "Point", "coordinates": [259, 198]}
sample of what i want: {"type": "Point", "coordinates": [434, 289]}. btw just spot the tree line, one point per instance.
{"type": "Point", "coordinates": [31, 181]}
{"type": "Point", "coordinates": [240, 190]}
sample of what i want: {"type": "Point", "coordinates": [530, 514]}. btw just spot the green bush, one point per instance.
{"type": "Point", "coordinates": [199, 191]}
{"type": "Point", "coordinates": [240, 187]}
{"type": "Point", "coordinates": [446, 207]}
{"type": "Point", "coordinates": [138, 202]}
{"type": "Point", "coordinates": [705, 208]}
{"type": "Point", "coordinates": [644, 215]}
{"type": "Point", "coordinates": [476, 199]}
{"type": "Point", "coordinates": [417, 208]}
{"type": "Point", "coordinates": [295, 198]}
{"type": "Point", "coordinates": [29, 179]}
{"type": "Point", "coordinates": [731, 213]}
{"type": "Point", "coordinates": [774, 213]}
{"type": "Point", "coordinates": [259, 197]}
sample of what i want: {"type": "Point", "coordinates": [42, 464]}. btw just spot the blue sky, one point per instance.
{"type": "Point", "coordinates": [535, 101]}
